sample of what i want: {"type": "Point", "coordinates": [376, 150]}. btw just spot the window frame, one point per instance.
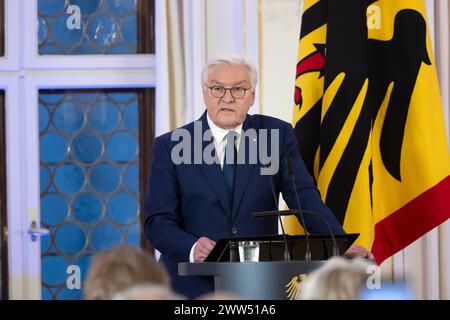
{"type": "Point", "coordinates": [91, 61]}
{"type": "Point", "coordinates": [14, 218]}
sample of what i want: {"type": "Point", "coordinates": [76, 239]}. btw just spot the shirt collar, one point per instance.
{"type": "Point", "coordinates": [220, 133]}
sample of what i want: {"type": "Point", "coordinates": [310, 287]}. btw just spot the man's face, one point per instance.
{"type": "Point", "coordinates": [228, 112]}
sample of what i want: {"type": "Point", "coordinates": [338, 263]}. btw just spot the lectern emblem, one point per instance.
{"type": "Point", "coordinates": [294, 286]}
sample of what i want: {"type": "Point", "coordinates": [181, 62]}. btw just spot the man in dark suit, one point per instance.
{"type": "Point", "coordinates": [191, 201]}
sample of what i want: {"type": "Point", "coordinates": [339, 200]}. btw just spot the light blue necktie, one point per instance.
{"type": "Point", "coordinates": [229, 163]}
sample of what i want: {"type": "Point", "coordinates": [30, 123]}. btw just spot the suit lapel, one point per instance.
{"type": "Point", "coordinates": [213, 173]}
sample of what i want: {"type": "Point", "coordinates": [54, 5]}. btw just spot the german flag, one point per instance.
{"type": "Point", "coordinates": [369, 119]}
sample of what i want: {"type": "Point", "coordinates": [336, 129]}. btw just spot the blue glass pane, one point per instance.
{"type": "Point", "coordinates": [105, 236]}
{"type": "Point", "coordinates": [53, 209]}
{"type": "Point", "coordinates": [122, 147]}
{"type": "Point", "coordinates": [129, 30]}
{"type": "Point", "coordinates": [45, 244]}
{"type": "Point", "coordinates": [43, 30]}
{"type": "Point", "coordinates": [120, 49]}
{"type": "Point", "coordinates": [68, 294]}
{"type": "Point", "coordinates": [53, 148]}
{"type": "Point", "coordinates": [105, 27]}
{"type": "Point", "coordinates": [50, 49]}
{"type": "Point", "coordinates": [85, 98]}
{"type": "Point", "coordinates": [87, 147]}
{"type": "Point", "coordinates": [87, 7]}
{"type": "Point", "coordinates": [104, 116]}
{"type": "Point", "coordinates": [83, 48]}
{"type": "Point", "coordinates": [133, 235]}
{"type": "Point", "coordinates": [51, 98]}
{"type": "Point", "coordinates": [54, 270]}
{"type": "Point", "coordinates": [87, 208]}
{"type": "Point", "coordinates": [100, 128]}
{"type": "Point", "coordinates": [43, 117]}
{"type": "Point", "coordinates": [120, 7]}
{"type": "Point", "coordinates": [44, 176]}
{"type": "Point", "coordinates": [104, 178]}
{"type": "Point", "coordinates": [131, 116]}
{"type": "Point", "coordinates": [132, 178]}
{"type": "Point", "coordinates": [103, 31]}
{"type": "Point", "coordinates": [122, 97]}
{"type": "Point", "coordinates": [46, 295]}
{"type": "Point", "coordinates": [70, 239]}
{"type": "Point", "coordinates": [51, 7]}
{"type": "Point", "coordinates": [123, 208]}
{"type": "Point", "coordinates": [69, 178]}
{"type": "Point", "coordinates": [68, 38]}
{"type": "Point", "coordinates": [69, 117]}
{"type": "Point", "coordinates": [83, 263]}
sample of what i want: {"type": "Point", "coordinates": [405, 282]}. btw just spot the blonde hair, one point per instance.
{"type": "Point", "coordinates": [338, 279]}
{"type": "Point", "coordinates": [120, 268]}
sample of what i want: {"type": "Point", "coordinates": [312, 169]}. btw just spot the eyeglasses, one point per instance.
{"type": "Point", "coordinates": [236, 92]}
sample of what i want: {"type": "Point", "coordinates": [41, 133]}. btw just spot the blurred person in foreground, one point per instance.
{"type": "Point", "coordinates": [338, 279]}
{"type": "Point", "coordinates": [121, 268]}
{"type": "Point", "coordinates": [219, 295]}
{"type": "Point", "coordinates": [148, 292]}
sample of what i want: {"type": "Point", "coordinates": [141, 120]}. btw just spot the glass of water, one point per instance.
{"type": "Point", "coordinates": [249, 251]}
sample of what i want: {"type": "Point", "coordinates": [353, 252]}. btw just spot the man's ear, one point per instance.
{"type": "Point", "coordinates": [254, 98]}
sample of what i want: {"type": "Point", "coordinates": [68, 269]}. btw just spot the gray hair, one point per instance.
{"type": "Point", "coordinates": [231, 59]}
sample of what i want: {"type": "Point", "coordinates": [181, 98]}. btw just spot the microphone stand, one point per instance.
{"type": "Point", "coordinates": [300, 211]}
{"type": "Point", "coordinates": [287, 255]}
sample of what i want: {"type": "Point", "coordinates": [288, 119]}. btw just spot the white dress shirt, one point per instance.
{"type": "Point", "coordinates": [219, 136]}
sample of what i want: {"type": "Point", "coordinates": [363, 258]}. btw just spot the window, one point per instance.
{"type": "Point", "coordinates": [89, 177]}
{"type": "Point", "coordinates": [80, 27]}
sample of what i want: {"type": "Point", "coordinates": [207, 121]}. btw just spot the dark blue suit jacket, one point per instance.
{"type": "Point", "coordinates": [187, 201]}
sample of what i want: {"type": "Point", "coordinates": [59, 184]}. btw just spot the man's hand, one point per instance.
{"type": "Point", "coordinates": [356, 251]}
{"type": "Point", "coordinates": [203, 247]}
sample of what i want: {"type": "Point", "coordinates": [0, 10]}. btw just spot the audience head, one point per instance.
{"type": "Point", "coordinates": [147, 292]}
{"type": "Point", "coordinates": [121, 268]}
{"type": "Point", "coordinates": [338, 279]}
{"type": "Point", "coordinates": [219, 295]}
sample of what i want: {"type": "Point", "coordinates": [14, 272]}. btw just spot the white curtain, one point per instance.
{"type": "Point", "coordinates": [442, 49]}
{"type": "Point", "coordinates": [180, 55]}
{"type": "Point", "coordinates": [426, 262]}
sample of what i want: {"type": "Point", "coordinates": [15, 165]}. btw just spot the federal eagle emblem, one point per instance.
{"type": "Point", "coordinates": [294, 286]}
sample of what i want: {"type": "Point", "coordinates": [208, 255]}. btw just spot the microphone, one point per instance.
{"type": "Point", "coordinates": [300, 211]}
{"type": "Point", "coordinates": [287, 256]}
{"type": "Point", "coordinates": [264, 214]}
